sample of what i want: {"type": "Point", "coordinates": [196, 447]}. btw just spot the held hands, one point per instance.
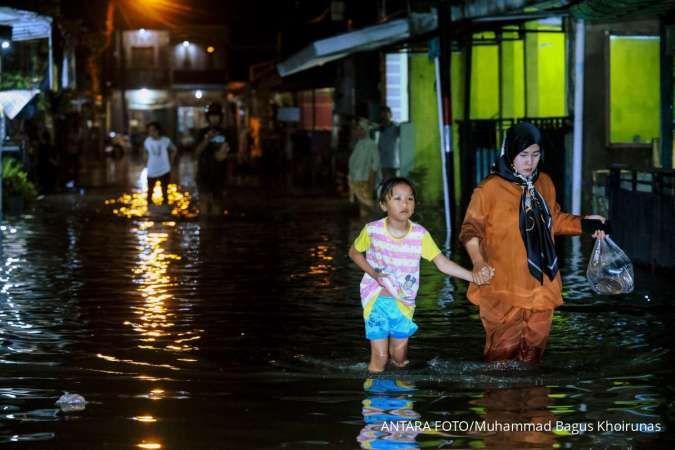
{"type": "Point", "coordinates": [482, 273]}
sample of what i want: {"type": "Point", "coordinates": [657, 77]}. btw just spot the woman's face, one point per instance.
{"type": "Point", "coordinates": [527, 161]}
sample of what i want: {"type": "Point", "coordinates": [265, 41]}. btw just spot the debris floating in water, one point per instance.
{"type": "Point", "coordinates": [71, 402]}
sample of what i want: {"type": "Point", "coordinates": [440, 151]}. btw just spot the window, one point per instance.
{"type": "Point", "coordinates": [633, 89]}
{"type": "Point", "coordinates": [323, 107]}
{"type": "Point", "coordinates": [397, 86]}
{"type": "Point", "coordinates": [142, 57]}
{"type": "Point", "coordinates": [316, 109]}
{"type": "Point", "coordinates": [306, 110]}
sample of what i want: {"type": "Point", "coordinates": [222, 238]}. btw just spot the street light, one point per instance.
{"type": "Point", "coordinates": [144, 95]}
{"type": "Point", "coordinates": [198, 94]}
{"type": "Point", "coordinates": [5, 45]}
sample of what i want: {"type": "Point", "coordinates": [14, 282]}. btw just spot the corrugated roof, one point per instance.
{"type": "Point", "coordinates": [26, 25]}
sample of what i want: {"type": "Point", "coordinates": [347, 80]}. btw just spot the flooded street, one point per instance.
{"type": "Point", "coordinates": [246, 331]}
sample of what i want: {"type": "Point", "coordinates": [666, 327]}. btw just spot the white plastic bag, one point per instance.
{"type": "Point", "coordinates": [71, 402]}
{"type": "Point", "coordinates": [609, 271]}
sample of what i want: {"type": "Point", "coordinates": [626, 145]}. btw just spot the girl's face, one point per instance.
{"type": "Point", "coordinates": [527, 161]}
{"type": "Point", "coordinates": [153, 132]}
{"type": "Point", "coordinates": [400, 205]}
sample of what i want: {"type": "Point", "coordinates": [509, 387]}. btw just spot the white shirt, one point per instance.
{"type": "Point", "coordinates": [158, 156]}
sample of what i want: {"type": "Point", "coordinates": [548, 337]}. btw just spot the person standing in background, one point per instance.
{"type": "Point", "coordinates": [211, 152]}
{"type": "Point", "coordinates": [387, 144]}
{"type": "Point", "coordinates": [364, 168]}
{"type": "Point", "coordinates": [159, 156]}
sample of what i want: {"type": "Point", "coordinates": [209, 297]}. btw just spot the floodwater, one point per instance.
{"type": "Point", "coordinates": [246, 332]}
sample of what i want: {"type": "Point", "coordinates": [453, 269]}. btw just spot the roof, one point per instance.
{"type": "Point", "coordinates": [26, 25]}
{"type": "Point", "coordinates": [369, 38]}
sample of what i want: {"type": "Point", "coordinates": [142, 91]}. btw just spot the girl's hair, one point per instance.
{"type": "Point", "coordinates": [387, 188]}
{"type": "Point", "coordinates": [156, 125]}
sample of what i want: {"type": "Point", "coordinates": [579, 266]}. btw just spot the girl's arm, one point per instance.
{"type": "Point", "coordinates": [363, 264]}
{"type": "Point", "coordinates": [482, 272]}
{"type": "Point", "coordinates": [453, 269]}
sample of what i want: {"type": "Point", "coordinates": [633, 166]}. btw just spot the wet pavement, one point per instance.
{"type": "Point", "coordinates": [245, 331]}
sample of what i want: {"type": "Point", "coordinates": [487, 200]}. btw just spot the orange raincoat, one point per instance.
{"type": "Point", "coordinates": [515, 308]}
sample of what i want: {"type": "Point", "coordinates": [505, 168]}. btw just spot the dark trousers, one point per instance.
{"type": "Point", "coordinates": [164, 181]}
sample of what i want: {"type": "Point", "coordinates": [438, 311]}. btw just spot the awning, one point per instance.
{"type": "Point", "coordinates": [14, 100]}
{"type": "Point", "coordinates": [612, 10]}
{"type": "Point", "coordinates": [370, 38]}
{"type": "Point", "coordinates": [26, 25]}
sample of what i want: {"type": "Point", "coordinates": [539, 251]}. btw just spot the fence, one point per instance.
{"type": "Point", "coordinates": [642, 210]}
{"type": "Point", "coordinates": [480, 145]}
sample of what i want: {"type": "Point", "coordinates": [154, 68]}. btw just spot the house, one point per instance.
{"type": "Point", "coordinates": [168, 76]}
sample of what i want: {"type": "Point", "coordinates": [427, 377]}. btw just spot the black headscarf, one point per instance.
{"type": "Point", "coordinates": [535, 217]}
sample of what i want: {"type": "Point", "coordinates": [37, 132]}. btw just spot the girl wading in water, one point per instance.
{"type": "Point", "coordinates": [510, 225]}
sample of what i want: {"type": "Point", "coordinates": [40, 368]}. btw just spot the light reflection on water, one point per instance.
{"type": "Point", "coordinates": [135, 204]}
{"type": "Point", "coordinates": [238, 333]}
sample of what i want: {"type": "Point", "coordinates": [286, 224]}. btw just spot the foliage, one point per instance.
{"type": "Point", "coordinates": [15, 181]}
{"type": "Point", "coordinates": [15, 80]}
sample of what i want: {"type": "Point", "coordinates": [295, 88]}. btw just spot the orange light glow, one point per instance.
{"type": "Point", "coordinates": [167, 12]}
{"type": "Point", "coordinates": [210, 49]}
{"type": "Point", "coordinates": [146, 419]}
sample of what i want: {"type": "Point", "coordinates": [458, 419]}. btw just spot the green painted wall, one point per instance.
{"type": "Point", "coordinates": [512, 79]}
{"type": "Point", "coordinates": [484, 83]}
{"type": "Point", "coordinates": [457, 86]}
{"type": "Point", "coordinates": [634, 64]}
{"type": "Point", "coordinates": [545, 95]}
{"type": "Point", "coordinates": [551, 78]}
{"type": "Point", "coordinates": [424, 115]}
{"type": "Point", "coordinates": [546, 75]}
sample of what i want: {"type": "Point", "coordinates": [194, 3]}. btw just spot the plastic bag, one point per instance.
{"type": "Point", "coordinates": [609, 271]}
{"type": "Point", "coordinates": [71, 402]}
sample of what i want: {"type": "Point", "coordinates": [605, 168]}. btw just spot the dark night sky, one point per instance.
{"type": "Point", "coordinates": [254, 24]}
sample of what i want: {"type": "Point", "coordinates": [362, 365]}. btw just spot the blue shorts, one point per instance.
{"type": "Point", "coordinates": [386, 319]}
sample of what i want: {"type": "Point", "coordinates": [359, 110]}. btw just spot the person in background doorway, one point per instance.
{"type": "Point", "coordinates": [159, 156]}
{"type": "Point", "coordinates": [387, 144]}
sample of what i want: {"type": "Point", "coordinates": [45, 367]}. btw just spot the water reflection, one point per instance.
{"type": "Point", "coordinates": [161, 321]}
{"type": "Point", "coordinates": [135, 205]}
{"type": "Point", "coordinates": [522, 406]}
{"type": "Point", "coordinates": [389, 417]}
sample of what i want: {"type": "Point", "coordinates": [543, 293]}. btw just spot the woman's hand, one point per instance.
{"type": "Point", "coordinates": [599, 234]}
{"type": "Point", "coordinates": [482, 273]}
